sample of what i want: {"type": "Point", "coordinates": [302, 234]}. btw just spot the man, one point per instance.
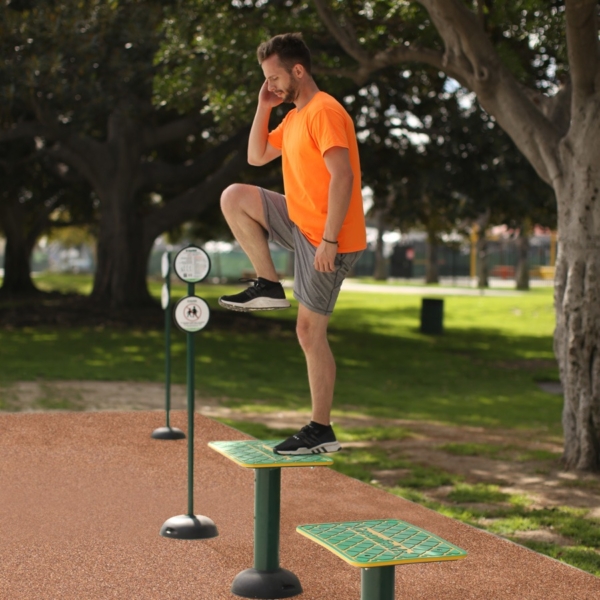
{"type": "Point", "coordinates": [320, 217]}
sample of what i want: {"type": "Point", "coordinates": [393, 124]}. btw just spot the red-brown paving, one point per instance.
{"type": "Point", "coordinates": [83, 497]}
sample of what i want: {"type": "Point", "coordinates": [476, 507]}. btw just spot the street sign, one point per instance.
{"type": "Point", "coordinates": [191, 314]}
{"type": "Point", "coordinates": [192, 264]}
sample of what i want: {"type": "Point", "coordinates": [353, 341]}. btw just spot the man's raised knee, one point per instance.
{"type": "Point", "coordinates": [231, 196]}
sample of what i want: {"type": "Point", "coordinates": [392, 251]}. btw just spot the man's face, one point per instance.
{"type": "Point", "coordinates": [280, 82]}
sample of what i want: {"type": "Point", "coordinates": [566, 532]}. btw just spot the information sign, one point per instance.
{"type": "Point", "coordinates": [165, 297]}
{"type": "Point", "coordinates": [165, 265]}
{"type": "Point", "coordinates": [192, 264]}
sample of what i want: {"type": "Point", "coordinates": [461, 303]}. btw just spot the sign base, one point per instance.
{"type": "Point", "coordinates": [189, 527]}
{"type": "Point", "coordinates": [168, 433]}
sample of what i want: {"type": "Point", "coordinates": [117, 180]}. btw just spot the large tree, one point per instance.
{"type": "Point", "coordinates": [534, 67]}
{"type": "Point", "coordinates": [35, 198]}
{"type": "Point", "coordinates": [82, 83]}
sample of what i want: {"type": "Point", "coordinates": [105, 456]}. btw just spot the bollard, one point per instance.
{"type": "Point", "coordinates": [432, 316]}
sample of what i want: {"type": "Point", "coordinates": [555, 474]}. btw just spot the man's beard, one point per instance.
{"type": "Point", "coordinates": [291, 93]}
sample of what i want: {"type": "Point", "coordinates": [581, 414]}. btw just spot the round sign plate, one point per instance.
{"type": "Point", "coordinates": [192, 264]}
{"type": "Point", "coordinates": [165, 264]}
{"type": "Point", "coordinates": [165, 297]}
{"type": "Point", "coordinates": [191, 314]}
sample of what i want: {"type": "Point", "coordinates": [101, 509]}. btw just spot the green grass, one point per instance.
{"type": "Point", "coordinates": [482, 371]}
{"type": "Point", "coordinates": [498, 451]}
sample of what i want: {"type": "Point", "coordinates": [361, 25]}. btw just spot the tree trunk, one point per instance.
{"type": "Point", "coordinates": [17, 252]}
{"type": "Point", "coordinates": [121, 254]}
{"type": "Point", "coordinates": [482, 263]}
{"type": "Point", "coordinates": [431, 264]}
{"type": "Point", "coordinates": [381, 268]}
{"type": "Point", "coordinates": [522, 270]}
{"type": "Point", "coordinates": [577, 305]}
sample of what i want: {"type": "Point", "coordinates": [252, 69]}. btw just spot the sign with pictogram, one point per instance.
{"type": "Point", "coordinates": [191, 314]}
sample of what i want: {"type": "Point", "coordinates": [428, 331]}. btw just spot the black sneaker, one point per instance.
{"type": "Point", "coordinates": [261, 295]}
{"type": "Point", "coordinates": [309, 441]}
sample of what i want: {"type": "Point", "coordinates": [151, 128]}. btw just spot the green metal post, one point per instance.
{"type": "Point", "coordinates": [168, 349]}
{"type": "Point", "coordinates": [191, 411]}
{"type": "Point", "coordinates": [267, 500]}
{"type": "Point", "coordinates": [377, 583]}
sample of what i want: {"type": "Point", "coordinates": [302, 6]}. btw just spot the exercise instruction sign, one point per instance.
{"type": "Point", "coordinates": [192, 264]}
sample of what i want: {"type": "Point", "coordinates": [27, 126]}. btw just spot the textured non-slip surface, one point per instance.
{"type": "Point", "coordinates": [84, 495]}
{"type": "Point", "coordinates": [258, 454]}
{"type": "Point", "coordinates": [380, 543]}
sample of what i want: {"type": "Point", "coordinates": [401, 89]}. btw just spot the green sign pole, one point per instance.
{"type": "Point", "coordinates": [167, 432]}
{"type": "Point", "coordinates": [191, 315]}
{"type": "Point", "coordinates": [168, 353]}
{"type": "Point", "coordinates": [191, 411]}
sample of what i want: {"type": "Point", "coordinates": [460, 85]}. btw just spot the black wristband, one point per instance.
{"type": "Point", "coordinates": [329, 241]}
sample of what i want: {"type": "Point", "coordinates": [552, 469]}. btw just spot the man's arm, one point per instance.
{"type": "Point", "coordinates": [260, 152]}
{"type": "Point", "coordinates": [337, 161]}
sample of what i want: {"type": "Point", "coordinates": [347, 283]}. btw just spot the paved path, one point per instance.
{"type": "Point", "coordinates": [83, 497]}
{"type": "Point", "coordinates": [424, 290]}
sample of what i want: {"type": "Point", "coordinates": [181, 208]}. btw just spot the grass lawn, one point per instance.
{"type": "Point", "coordinates": [482, 372]}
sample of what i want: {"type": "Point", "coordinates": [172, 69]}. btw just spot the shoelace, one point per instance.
{"type": "Point", "coordinates": [254, 288]}
{"type": "Point", "coordinates": [307, 434]}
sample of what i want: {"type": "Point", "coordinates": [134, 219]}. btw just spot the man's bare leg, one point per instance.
{"type": "Point", "coordinates": [243, 210]}
{"type": "Point", "coordinates": [311, 329]}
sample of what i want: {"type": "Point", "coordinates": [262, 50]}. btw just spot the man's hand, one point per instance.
{"type": "Point", "coordinates": [325, 257]}
{"type": "Point", "coordinates": [267, 98]}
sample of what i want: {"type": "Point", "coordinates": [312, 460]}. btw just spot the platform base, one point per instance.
{"type": "Point", "coordinates": [168, 433]}
{"type": "Point", "coordinates": [252, 583]}
{"type": "Point", "coordinates": [189, 527]}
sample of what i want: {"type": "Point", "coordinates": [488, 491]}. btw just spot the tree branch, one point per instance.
{"type": "Point", "coordinates": [29, 129]}
{"type": "Point", "coordinates": [159, 173]}
{"type": "Point", "coordinates": [344, 33]}
{"type": "Point", "coordinates": [496, 88]}
{"type": "Point", "coordinates": [582, 43]}
{"type": "Point", "coordinates": [193, 202]}
{"type": "Point", "coordinates": [472, 60]}
{"type": "Point", "coordinates": [156, 136]}
{"type": "Point", "coordinates": [78, 154]}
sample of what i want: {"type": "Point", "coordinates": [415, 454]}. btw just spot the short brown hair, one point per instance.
{"type": "Point", "coordinates": [289, 47]}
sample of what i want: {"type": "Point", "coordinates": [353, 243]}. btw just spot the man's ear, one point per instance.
{"type": "Point", "coordinates": [299, 70]}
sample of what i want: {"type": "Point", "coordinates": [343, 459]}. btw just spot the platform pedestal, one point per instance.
{"type": "Point", "coordinates": [267, 580]}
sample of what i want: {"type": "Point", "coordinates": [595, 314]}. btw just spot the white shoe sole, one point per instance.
{"type": "Point", "coordinates": [320, 449]}
{"type": "Point", "coordinates": [256, 304]}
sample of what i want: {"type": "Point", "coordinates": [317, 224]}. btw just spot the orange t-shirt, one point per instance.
{"type": "Point", "coordinates": [303, 138]}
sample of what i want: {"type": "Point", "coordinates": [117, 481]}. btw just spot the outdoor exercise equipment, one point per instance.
{"type": "Point", "coordinates": [267, 579]}
{"type": "Point", "coordinates": [377, 547]}
{"type": "Point", "coordinates": [191, 314]}
{"type": "Point", "coordinates": [167, 432]}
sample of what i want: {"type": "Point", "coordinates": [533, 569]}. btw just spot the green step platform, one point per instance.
{"type": "Point", "coordinates": [258, 454]}
{"type": "Point", "coordinates": [266, 580]}
{"type": "Point", "coordinates": [377, 547]}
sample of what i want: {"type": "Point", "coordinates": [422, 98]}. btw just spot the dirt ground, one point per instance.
{"type": "Point", "coordinates": [542, 480]}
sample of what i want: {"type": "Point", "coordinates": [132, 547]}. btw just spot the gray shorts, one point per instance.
{"type": "Point", "coordinates": [316, 290]}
